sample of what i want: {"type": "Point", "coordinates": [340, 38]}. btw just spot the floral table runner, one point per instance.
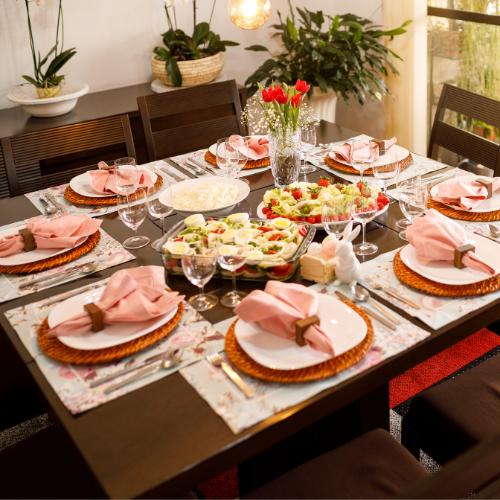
{"type": "Point", "coordinates": [434, 311]}
{"type": "Point", "coordinates": [195, 337]}
{"type": "Point", "coordinates": [107, 253]}
{"type": "Point", "coordinates": [239, 413]}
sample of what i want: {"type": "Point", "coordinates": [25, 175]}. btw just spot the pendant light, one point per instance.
{"type": "Point", "coordinates": [249, 14]}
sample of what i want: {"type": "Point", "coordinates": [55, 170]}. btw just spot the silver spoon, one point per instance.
{"type": "Point", "coordinates": [47, 207]}
{"type": "Point", "coordinates": [361, 294]}
{"type": "Point", "coordinates": [494, 231]}
{"type": "Point", "coordinates": [88, 268]}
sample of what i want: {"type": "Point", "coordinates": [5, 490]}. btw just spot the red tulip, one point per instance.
{"type": "Point", "coordinates": [280, 96]}
{"type": "Point", "coordinates": [295, 100]}
{"type": "Point", "coordinates": [302, 86]}
{"type": "Point", "coordinates": [268, 94]}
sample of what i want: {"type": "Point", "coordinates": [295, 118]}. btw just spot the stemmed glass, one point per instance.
{"type": "Point", "coordinates": [199, 269]}
{"type": "Point", "coordinates": [126, 176]}
{"type": "Point", "coordinates": [336, 212]}
{"type": "Point", "coordinates": [412, 200]}
{"type": "Point", "coordinates": [385, 173]}
{"type": "Point", "coordinates": [363, 215]}
{"type": "Point", "coordinates": [133, 215]}
{"type": "Point", "coordinates": [231, 258]}
{"type": "Point", "coordinates": [227, 156]}
{"type": "Point", "coordinates": [360, 166]}
{"type": "Point", "coordinates": [308, 142]}
{"type": "Point", "coordinates": [158, 210]}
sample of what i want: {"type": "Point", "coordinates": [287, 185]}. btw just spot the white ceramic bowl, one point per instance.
{"type": "Point", "coordinates": [25, 95]}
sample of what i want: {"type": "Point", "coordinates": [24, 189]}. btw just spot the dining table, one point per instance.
{"type": "Point", "coordinates": [163, 439]}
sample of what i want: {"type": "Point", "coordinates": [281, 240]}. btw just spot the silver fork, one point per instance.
{"type": "Point", "coordinates": [216, 359]}
{"type": "Point", "coordinates": [205, 167]}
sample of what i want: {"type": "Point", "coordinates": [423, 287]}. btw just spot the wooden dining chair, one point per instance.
{"type": "Point", "coordinates": [4, 185]}
{"type": "Point", "coordinates": [459, 141]}
{"type": "Point", "coordinates": [36, 160]}
{"type": "Point", "coordinates": [189, 119]}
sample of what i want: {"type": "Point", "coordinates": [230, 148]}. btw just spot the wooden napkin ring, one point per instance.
{"type": "Point", "coordinates": [96, 315]}
{"type": "Point", "coordinates": [380, 144]}
{"type": "Point", "coordinates": [28, 239]}
{"type": "Point", "coordinates": [301, 325]}
{"type": "Point", "coordinates": [459, 255]}
{"type": "Point", "coordinates": [488, 184]}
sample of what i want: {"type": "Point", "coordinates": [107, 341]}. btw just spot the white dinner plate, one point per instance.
{"type": "Point", "coordinates": [490, 205]}
{"type": "Point", "coordinates": [446, 273]}
{"type": "Point", "coordinates": [262, 215]}
{"type": "Point", "coordinates": [166, 197]}
{"type": "Point", "coordinates": [112, 335]}
{"type": "Point", "coordinates": [28, 257]}
{"type": "Point", "coordinates": [341, 323]}
{"type": "Point", "coordinates": [81, 185]}
{"type": "Point", "coordinates": [395, 153]}
{"type": "Point", "coordinates": [213, 147]}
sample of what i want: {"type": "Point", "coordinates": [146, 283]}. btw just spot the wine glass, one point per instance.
{"type": "Point", "coordinates": [227, 157]}
{"type": "Point", "coordinates": [336, 212]}
{"type": "Point", "coordinates": [308, 142]}
{"type": "Point", "coordinates": [360, 165]}
{"type": "Point", "coordinates": [385, 173]}
{"type": "Point", "coordinates": [199, 269]}
{"type": "Point", "coordinates": [126, 176]}
{"type": "Point", "coordinates": [231, 258]}
{"type": "Point", "coordinates": [157, 209]}
{"type": "Point", "coordinates": [412, 200]}
{"type": "Point", "coordinates": [363, 215]}
{"type": "Point", "coordinates": [133, 215]}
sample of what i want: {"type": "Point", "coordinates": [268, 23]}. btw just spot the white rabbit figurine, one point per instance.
{"type": "Point", "coordinates": [346, 262]}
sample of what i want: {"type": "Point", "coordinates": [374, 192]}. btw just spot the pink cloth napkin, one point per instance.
{"type": "Point", "coordinates": [360, 152]}
{"type": "Point", "coordinates": [255, 148]}
{"type": "Point", "coordinates": [67, 231]}
{"type": "Point", "coordinates": [131, 296]}
{"type": "Point", "coordinates": [103, 181]}
{"type": "Point", "coordinates": [278, 307]}
{"type": "Point", "coordinates": [435, 238]}
{"type": "Point", "coordinates": [464, 192]}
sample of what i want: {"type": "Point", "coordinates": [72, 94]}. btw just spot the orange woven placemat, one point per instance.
{"type": "Point", "coordinates": [78, 199]}
{"type": "Point", "coordinates": [414, 280]}
{"type": "Point", "coordinates": [55, 349]}
{"type": "Point", "coordinates": [240, 359]}
{"type": "Point", "coordinates": [264, 162]}
{"type": "Point", "coordinates": [58, 260]}
{"type": "Point", "coordinates": [350, 170]}
{"type": "Point", "coordinates": [462, 214]}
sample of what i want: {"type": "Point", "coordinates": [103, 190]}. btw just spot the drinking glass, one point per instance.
{"type": "Point", "coordinates": [386, 173]}
{"type": "Point", "coordinates": [232, 261]}
{"type": "Point", "coordinates": [241, 159]}
{"type": "Point", "coordinates": [412, 200]}
{"type": "Point", "coordinates": [133, 215]}
{"type": "Point", "coordinates": [126, 176]}
{"type": "Point", "coordinates": [199, 269]}
{"type": "Point", "coordinates": [336, 212]}
{"type": "Point", "coordinates": [157, 209]}
{"type": "Point", "coordinates": [227, 157]}
{"type": "Point", "coordinates": [360, 166]}
{"type": "Point", "coordinates": [363, 216]}
{"type": "Point", "coordinates": [308, 142]}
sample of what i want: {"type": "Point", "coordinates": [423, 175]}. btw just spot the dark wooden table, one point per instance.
{"type": "Point", "coordinates": [163, 438]}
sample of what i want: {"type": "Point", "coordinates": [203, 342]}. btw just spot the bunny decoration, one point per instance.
{"type": "Point", "coordinates": [346, 263]}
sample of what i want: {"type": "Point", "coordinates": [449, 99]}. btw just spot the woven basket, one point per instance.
{"type": "Point", "coordinates": [195, 72]}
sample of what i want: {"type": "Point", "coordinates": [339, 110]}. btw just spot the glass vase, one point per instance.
{"type": "Point", "coordinates": [284, 153]}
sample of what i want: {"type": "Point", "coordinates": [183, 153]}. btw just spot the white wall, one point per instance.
{"type": "Point", "coordinates": [114, 39]}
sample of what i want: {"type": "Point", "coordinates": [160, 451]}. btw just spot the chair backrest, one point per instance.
{"type": "Point", "coordinates": [184, 120]}
{"type": "Point", "coordinates": [462, 142]}
{"type": "Point", "coordinates": [44, 158]}
{"type": "Point", "coordinates": [4, 185]}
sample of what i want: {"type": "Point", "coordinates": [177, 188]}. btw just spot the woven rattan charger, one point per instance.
{"type": "Point", "coordinates": [249, 165]}
{"type": "Point", "coordinates": [414, 280]}
{"type": "Point", "coordinates": [462, 214]}
{"type": "Point", "coordinates": [240, 359]}
{"type": "Point", "coordinates": [58, 260]}
{"type": "Point", "coordinates": [78, 199]}
{"type": "Point", "coordinates": [55, 349]}
{"type": "Point", "coordinates": [341, 167]}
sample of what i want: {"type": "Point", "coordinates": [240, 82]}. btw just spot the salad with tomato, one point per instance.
{"type": "Point", "coordinates": [271, 248]}
{"type": "Point", "coordinates": [301, 201]}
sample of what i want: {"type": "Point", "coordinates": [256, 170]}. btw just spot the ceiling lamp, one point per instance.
{"type": "Point", "coordinates": [249, 14]}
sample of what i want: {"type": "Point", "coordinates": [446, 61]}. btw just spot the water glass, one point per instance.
{"type": "Point", "coordinates": [157, 209]}
{"type": "Point", "coordinates": [308, 143]}
{"type": "Point", "coordinates": [386, 173]}
{"type": "Point", "coordinates": [363, 216]}
{"type": "Point", "coordinates": [133, 215]}
{"type": "Point", "coordinates": [126, 176]}
{"type": "Point", "coordinates": [232, 261]}
{"type": "Point", "coordinates": [412, 200]}
{"type": "Point", "coordinates": [199, 269]}
{"type": "Point", "coordinates": [228, 158]}
{"type": "Point", "coordinates": [336, 212]}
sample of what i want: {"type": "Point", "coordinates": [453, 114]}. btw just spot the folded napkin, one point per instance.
{"type": "Point", "coordinates": [103, 181]}
{"type": "Point", "coordinates": [255, 148]}
{"type": "Point", "coordinates": [131, 296]}
{"type": "Point", "coordinates": [435, 238]}
{"type": "Point", "coordinates": [66, 231]}
{"type": "Point", "coordinates": [463, 192]}
{"type": "Point", "coordinates": [278, 307]}
{"type": "Point", "coordinates": [360, 151]}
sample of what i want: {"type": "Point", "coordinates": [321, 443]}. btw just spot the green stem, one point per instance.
{"type": "Point", "coordinates": [32, 42]}
{"type": "Point", "coordinates": [212, 12]}
{"type": "Point", "coordinates": [169, 21]}
{"type": "Point", "coordinates": [194, 14]}
{"type": "Point", "coordinates": [175, 16]}
{"type": "Point", "coordinates": [59, 17]}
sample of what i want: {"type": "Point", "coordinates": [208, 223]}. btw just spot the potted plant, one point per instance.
{"type": "Point", "coordinates": [341, 55]}
{"type": "Point", "coordinates": [47, 81]}
{"type": "Point", "coordinates": [188, 60]}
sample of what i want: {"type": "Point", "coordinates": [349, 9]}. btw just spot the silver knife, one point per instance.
{"type": "Point", "coordinates": [172, 175]}
{"type": "Point", "coordinates": [54, 202]}
{"type": "Point", "coordinates": [207, 168]}
{"type": "Point", "coordinates": [182, 169]}
{"type": "Point", "coordinates": [137, 376]}
{"type": "Point", "coordinates": [70, 270]}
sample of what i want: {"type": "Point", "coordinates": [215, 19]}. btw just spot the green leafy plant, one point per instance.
{"type": "Point", "coordinates": [178, 46]}
{"type": "Point", "coordinates": [44, 78]}
{"type": "Point", "coordinates": [343, 53]}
